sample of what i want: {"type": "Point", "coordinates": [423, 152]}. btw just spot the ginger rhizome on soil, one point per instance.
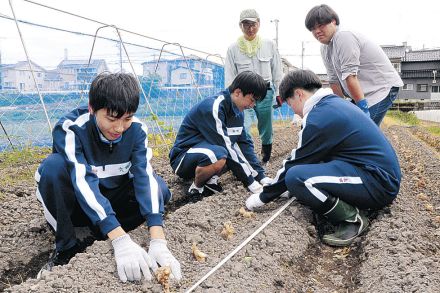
{"type": "Point", "coordinates": [198, 254]}
{"type": "Point", "coordinates": [228, 230]}
{"type": "Point", "coordinates": [163, 277]}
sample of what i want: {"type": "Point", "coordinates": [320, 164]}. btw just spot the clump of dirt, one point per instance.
{"type": "Point", "coordinates": [399, 253]}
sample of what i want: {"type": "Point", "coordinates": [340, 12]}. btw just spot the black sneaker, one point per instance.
{"type": "Point", "coordinates": [213, 184]}
{"type": "Point", "coordinates": [194, 191]}
{"type": "Point", "coordinates": [214, 187]}
{"type": "Point", "coordinates": [59, 258]}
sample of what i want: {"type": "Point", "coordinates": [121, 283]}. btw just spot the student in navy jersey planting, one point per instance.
{"type": "Point", "coordinates": [99, 175]}
{"type": "Point", "coordinates": [212, 137]}
{"type": "Point", "coordinates": [343, 163]}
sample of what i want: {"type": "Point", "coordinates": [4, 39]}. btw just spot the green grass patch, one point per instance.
{"type": "Point", "coordinates": [18, 166]}
{"type": "Point", "coordinates": [435, 130]}
{"type": "Point", "coordinates": [404, 117]}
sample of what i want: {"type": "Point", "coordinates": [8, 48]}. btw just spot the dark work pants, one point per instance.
{"type": "Point", "coordinates": [311, 184]}
{"type": "Point", "coordinates": [63, 212]}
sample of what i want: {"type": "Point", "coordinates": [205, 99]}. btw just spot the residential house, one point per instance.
{"type": "Point", "coordinates": [53, 80]}
{"type": "Point", "coordinates": [323, 77]}
{"type": "Point", "coordinates": [18, 77]}
{"type": "Point", "coordinates": [185, 72]}
{"type": "Point", "coordinates": [78, 74]}
{"type": "Point", "coordinates": [419, 70]}
{"type": "Point", "coordinates": [420, 74]}
{"type": "Point", "coordinates": [396, 54]}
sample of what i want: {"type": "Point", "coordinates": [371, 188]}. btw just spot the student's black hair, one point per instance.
{"type": "Point", "coordinates": [249, 83]}
{"type": "Point", "coordinates": [304, 79]}
{"type": "Point", "coordinates": [117, 92]}
{"type": "Point", "coordinates": [320, 14]}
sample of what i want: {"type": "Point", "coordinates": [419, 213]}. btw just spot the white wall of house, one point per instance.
{"type": "Point", "coordinates": [20, 78]}
{"type": "Point", "coordinates": [162, 70]}
{"type": "Point", "coordinates": [181, 76]}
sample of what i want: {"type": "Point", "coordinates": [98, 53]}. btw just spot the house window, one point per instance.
{"type": "Point", "coordinates": [422, 87]}
{"type": "Point", "coordinates": [408, 87]}
{"type": "Point", "coordinates": [397, 66]}
{"type": "Point", "coordinates": [21, 86]}
{"type": "Point", "coordinates": [183, 75]}
{"type": "Point", "coordinates": [435, 89]}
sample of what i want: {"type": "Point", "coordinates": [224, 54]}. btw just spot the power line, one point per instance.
{"type": "Point", "coordinates": [105, 24]}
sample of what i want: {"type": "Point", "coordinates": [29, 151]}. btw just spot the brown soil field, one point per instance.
{"type": "Point", "coordinates": [399, 253]}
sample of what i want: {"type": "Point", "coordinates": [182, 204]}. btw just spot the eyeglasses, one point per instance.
{"type": "Point", "coordinates": [248, 25]}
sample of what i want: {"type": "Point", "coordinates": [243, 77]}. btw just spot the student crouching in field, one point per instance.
{"type": "Point", "coordinates": [99, 175]}
{"type": "Point", "coordinates": [343, 164]}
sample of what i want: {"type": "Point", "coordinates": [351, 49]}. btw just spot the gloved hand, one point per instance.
{"type": "Point", "coordinates": [160, 254]}
{"type": "Point", "coordinates": [278, 102]}
{"type": "Point", "coordinates": [266, 181]}
{"type": "Point", "coordinates": [254, 201]}
{"type": "Point", "coordinates": [131, 259]}
{"type": "Point", "coordinates": [255, 187]}
{"type": "Point", "coordinates": [363, 105]}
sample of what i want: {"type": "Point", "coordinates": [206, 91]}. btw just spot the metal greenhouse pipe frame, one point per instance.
{"type": "Point", "coordinates": [132, 68]}
{"type": "Point", "coordinates": [30, 67]}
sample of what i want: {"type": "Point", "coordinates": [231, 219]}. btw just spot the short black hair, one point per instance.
{"type": "Point", "coordinates": [117, 92]}
{"type": "Point", "coordinates": [304, 79]}
{"type": "Point", "coordinates": [249, 83]}
{"type": "Point", "coordinates": [320, 14]}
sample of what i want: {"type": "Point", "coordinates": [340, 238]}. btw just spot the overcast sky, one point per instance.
{"type": "Point", "coordinates": [211, 26]}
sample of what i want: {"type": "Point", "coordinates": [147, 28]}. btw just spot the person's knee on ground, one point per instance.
{"type": "Point", "coordinates": [203, 174]}
{"type": "Point", "coordinates": [207, 176]}
{"type": "Point", "coordinates": [56, 193]}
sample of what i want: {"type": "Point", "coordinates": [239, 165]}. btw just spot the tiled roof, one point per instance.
{"type": "Point", "coordinates": [181, 58]}
{"type": "Point", "coordinates": [80, 63]}
{"type": "Point", "coordinates": [395, 51]}
{"type": "Point", "coordinates": [423, 55]}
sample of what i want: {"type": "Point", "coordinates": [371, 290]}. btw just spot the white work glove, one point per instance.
{"type": "Point", "coordinates": [266, 181]}
{"type": "Point", "coordinates": [255, 187]}
{"type": "Point", "coordinates": [160, 254]}
{"type": "Point", "coordinates": [254, 201]}
{"type": "Point", "coordinates": [131, 259]}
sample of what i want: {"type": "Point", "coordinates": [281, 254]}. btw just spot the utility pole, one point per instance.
{"type": "Point", "coordinates": [302, 55]}
{"type": "Point", "coordinates": [1, 70]}
{"type": "Point", "coordinates": [1, 66]}
{"type": "Point", "coordinates": [276, 21]}
{"type": "Point", "coordinates": [120, 56]}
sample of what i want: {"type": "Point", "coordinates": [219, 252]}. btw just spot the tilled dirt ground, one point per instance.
{"type": "Point", "coordinates": [399, 253]}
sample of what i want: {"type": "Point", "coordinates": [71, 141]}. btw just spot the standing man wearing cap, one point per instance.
{"type": "Point", "coordinates": [251, 52]}
{"type": "Point", "coordinates": [356, 66]}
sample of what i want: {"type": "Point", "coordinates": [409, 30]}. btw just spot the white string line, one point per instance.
{"type": "Point", "coordinates": [241, 245]}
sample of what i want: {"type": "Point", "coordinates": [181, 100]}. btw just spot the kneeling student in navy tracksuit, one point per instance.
{"type": "Point", "coordinates": [343, 162]}
{"type": "Point", "coordinates": [212, 135]}
{"type": "Point", "coordinates": [99, 175]}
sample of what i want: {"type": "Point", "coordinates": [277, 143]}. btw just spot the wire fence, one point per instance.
{"type": "Point", "coordinates": [59, 60]}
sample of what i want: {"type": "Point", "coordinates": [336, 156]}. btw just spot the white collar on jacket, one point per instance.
{"type": "Point", "coordinates": [313, 100]}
